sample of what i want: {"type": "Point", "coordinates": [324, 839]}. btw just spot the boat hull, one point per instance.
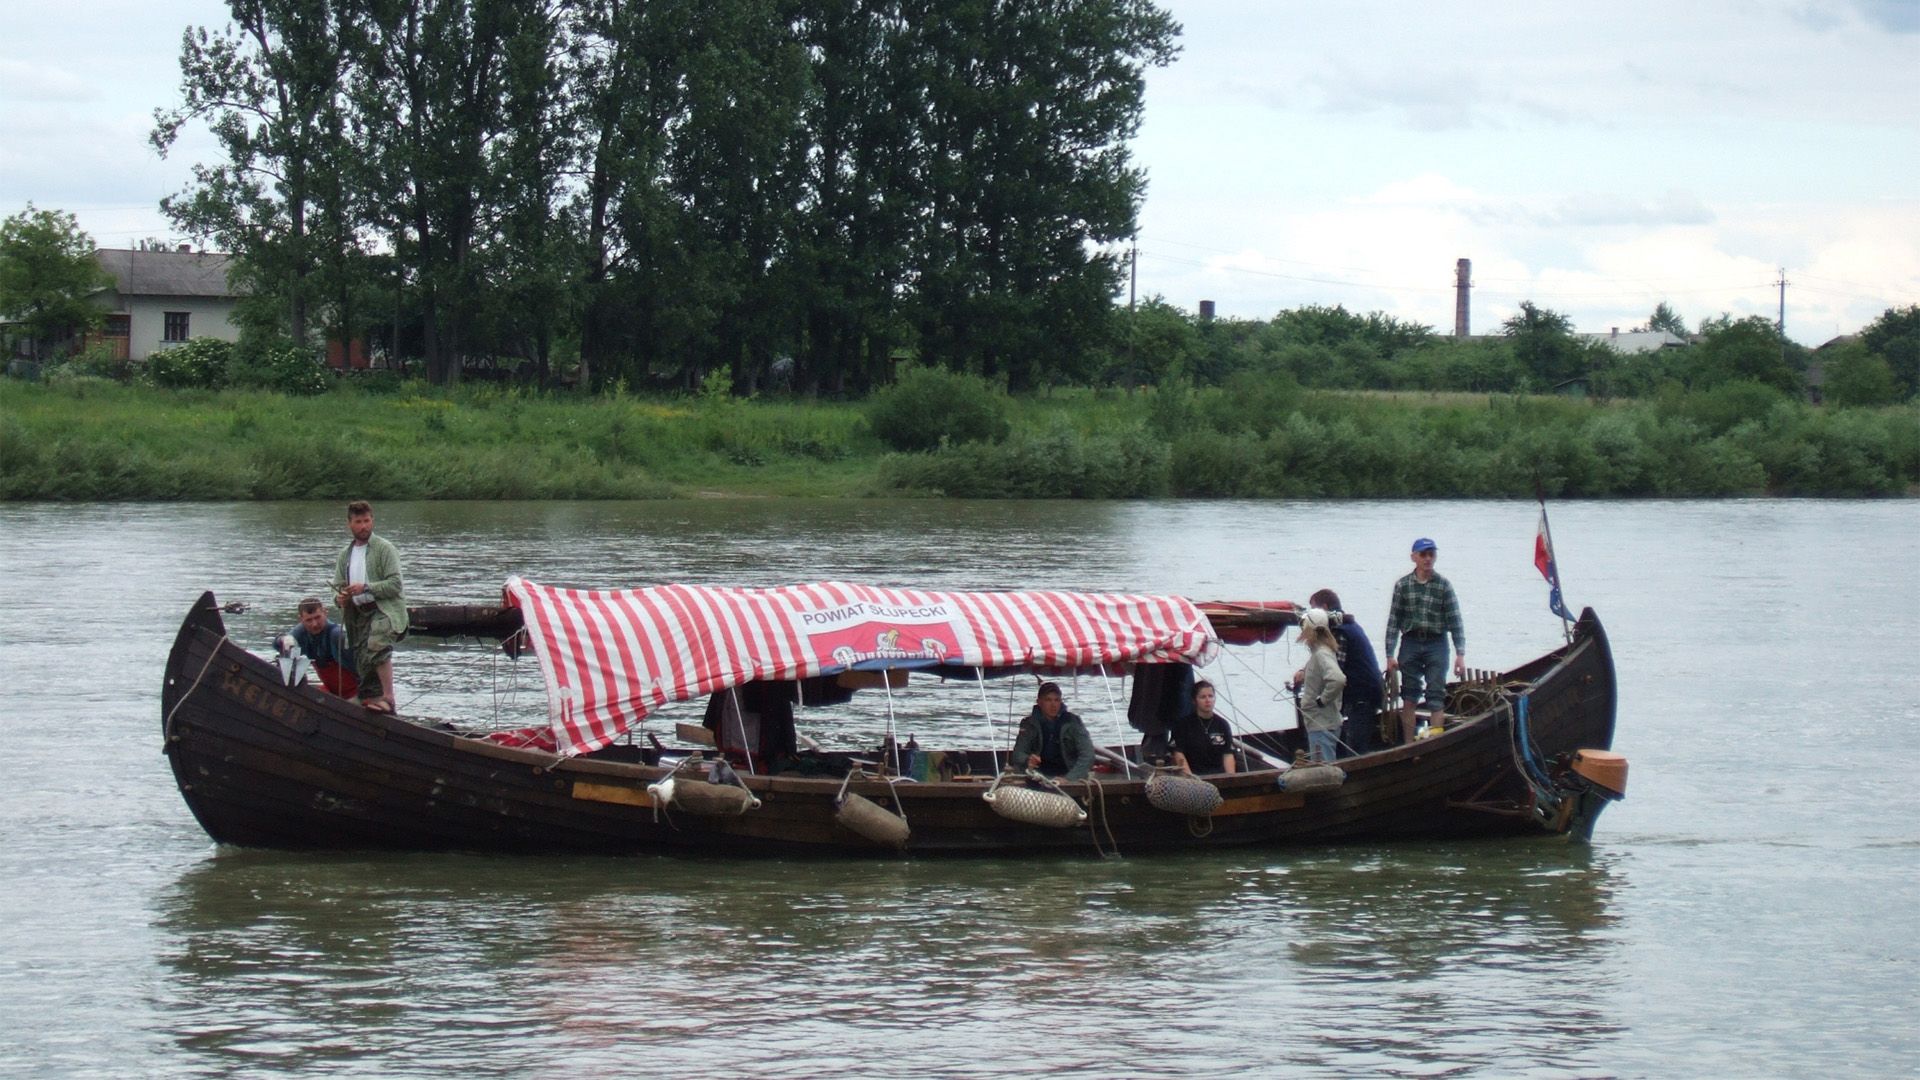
{"type": "Point", "coordinates": [262, 764]}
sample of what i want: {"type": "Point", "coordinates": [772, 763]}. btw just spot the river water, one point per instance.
{"type": "Point", "coordinates": [1751, 909]}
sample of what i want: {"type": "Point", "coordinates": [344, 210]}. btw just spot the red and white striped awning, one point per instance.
{"type": "Point", "coordinates": [611, 656]}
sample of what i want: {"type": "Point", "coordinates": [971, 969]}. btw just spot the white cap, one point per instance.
{"type": "Point", "coordinates": [1314, 617]}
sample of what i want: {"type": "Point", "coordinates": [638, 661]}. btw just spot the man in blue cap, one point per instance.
{"type": "Point", "coordinates": [1425, 610]}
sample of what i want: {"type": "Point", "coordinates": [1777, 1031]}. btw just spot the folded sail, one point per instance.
{"type": "Point", "coordinates": [611, 656]}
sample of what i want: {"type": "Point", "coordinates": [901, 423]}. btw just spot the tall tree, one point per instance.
{"type": "Point", "coordinates": [1664, 318]}
{"type": "Point", "coordinates": [1028, 178]}
{"type": "Point", "coordinates": [857, 215]}
{"type": "Point", "coordinates": [628, 59]}
{"type": "Point", "coordinates": [47, 271]}
{"type": "Point", "coordinates": [1895, 338]}
{"type": "Point", "coordinates": [429, 92]}
{"type": "Point", "coordinates": [269, 89]}
{"type": "Point", "coordinates": [1544, 344]}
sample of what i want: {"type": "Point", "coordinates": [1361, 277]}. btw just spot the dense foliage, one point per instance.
{"type": "Point", "coordinates": [787, 191]}
{"type": "Point", "coordinates": [930, 407]}
{"type": "Point", "coordinates": [1259, 436]}
{"type": "Point", "coordinates": [47, 271]}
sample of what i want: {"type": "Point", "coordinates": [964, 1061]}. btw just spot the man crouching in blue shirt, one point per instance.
{"type": "Point", "coordinates": [324, 643]}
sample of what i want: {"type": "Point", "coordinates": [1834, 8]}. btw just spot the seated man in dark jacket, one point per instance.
{"type": "Point", "coordinates": [1053, 740]}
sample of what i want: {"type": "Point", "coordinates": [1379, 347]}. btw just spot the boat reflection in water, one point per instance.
{"type": "Point", "coordinates": [1490, 957]}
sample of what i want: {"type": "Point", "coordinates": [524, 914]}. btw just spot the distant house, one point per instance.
{"type": "Point", "coordinates": [1636, 341]}
{"type": "Point", "coordinates": [162, 298]}
{"type": "Point", "coordinates": [1816, 376]}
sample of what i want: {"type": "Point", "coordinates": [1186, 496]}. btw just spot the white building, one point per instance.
{"type": "Point", "coordinates": [162, 298]}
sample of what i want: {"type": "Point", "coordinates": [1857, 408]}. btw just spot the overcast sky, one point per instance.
{"type": "Point", "coordinates": [1595, 159]}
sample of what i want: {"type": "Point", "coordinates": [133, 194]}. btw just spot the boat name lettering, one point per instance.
{"type": "Point", "coordinates": [250, 692]}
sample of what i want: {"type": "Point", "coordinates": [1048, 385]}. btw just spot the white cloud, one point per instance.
{"type": "Point", "coordinates": [26, 81]}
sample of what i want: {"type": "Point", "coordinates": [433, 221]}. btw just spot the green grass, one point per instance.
{"type": "Point", "coordinates": [88, 439]}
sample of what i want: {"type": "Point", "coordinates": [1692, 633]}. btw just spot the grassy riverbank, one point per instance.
{"type": "Point", "coordinates": [96, 440]}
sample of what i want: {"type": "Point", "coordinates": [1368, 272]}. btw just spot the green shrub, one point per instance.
{"type": "Point", "coordinates": [283, 368]}
{"type": "Point", "coordinates": [1217, 464]}
{"type": "Point", "coordinates": [927, 407]}
{"type": "Point", "coordinates": [1720, 409]}
{"type": "Point", "coordinates": [202, 363]}
{"type": "Point", "coordinates": [1255, 403]}
{"type": "Point", "coordinates": [97, 361]}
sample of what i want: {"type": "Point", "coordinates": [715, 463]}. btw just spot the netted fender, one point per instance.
{"type": "Point", "coordinates": [859, 814]}
{"type": "Point", "coordinates": [1179, 794]}
{"type": "Point", "coordinates": [704, 799]}
{"type": "Point", "coordinates": [1302, 779]}
{"type": "Point", "coordinates": [1035, 807]}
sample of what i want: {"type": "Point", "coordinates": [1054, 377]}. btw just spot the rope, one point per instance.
{"type": "Point", "coordinates": [1098, 793]}
{"type": "Point", "coordinates": [166, 726]}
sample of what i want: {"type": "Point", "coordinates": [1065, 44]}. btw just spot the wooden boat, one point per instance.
{"type": "Point", "coordinates": [266, 764]}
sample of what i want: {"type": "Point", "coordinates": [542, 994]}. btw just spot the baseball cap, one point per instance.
{"type": "Point", "coordinates": [1424, 544]}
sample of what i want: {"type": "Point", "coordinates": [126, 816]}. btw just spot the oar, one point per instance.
{"type": "Point", "coordinates": [1254, 751]}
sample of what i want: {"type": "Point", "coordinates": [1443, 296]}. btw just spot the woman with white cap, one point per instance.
{"type": "Point", "coordinates": [1321, 686]}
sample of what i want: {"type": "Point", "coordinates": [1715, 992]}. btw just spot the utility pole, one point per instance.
{"type": "Point", "coordinates": [1781, 324]}
{"type": "Point", "coordinates": [1133, 288]}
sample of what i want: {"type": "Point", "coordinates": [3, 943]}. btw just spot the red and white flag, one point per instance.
{"type": "Point", "coordinates": [1543, 560]}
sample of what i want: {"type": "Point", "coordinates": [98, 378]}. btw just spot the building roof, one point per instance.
{"type": "Point", "coordinates": [167, 273]}
{"type": "Point", "coordinates": [1637, 341]}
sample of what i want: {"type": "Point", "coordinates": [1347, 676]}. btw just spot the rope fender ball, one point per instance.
{"type": "Point", "coordinates": [1178, 794]}
{"type": "Point", "coordinates": [1302, 779]}
{"type": "Point", "coordinates": [708, 800]}
{"type": "Point", "coordinates": [859, 814]}
{"type": "Point", "coordinates": [1031, 806]}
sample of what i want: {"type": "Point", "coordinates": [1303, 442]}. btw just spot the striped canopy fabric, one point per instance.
{"type": "Point", "coordinates": [612, 656]}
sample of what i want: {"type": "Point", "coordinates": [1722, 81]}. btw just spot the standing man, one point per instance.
{"type": "Point", "coordinates": [1364, 695]}
{"type": "Point", "coordinates": [366, 582]}
{"type": "Point", "coordinates": [1425, 610]}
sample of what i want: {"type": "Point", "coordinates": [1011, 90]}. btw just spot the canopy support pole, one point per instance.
{"type": "Point", "coordinates": [740, 724]}
{"type": "Point", "coordinates": [1106, 683]}
{"type": "Point", "coordinates": [886, 682]}
{"type": "Point", "coordinates": [986, 713]}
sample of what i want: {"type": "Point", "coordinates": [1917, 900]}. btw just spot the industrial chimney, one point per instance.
{"type": "Point", "coordinates": [1462, 282]}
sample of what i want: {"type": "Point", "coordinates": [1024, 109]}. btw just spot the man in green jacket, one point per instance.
{"type": "Point", "coordinates": [1053, 740]}
{"type": "Point", "coordinates": [366, 585]}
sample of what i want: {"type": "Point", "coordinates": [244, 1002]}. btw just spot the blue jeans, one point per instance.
{"type": "Point", "coordinates": [1423, 664]}
{"type": "Point", "coordinates": [1323, 745]}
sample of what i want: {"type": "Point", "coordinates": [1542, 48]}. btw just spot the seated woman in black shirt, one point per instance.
{"type": "Point", "coordinates": [1202, 741]}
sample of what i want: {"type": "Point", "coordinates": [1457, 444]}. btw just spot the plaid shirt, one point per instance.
{"type": "Point", "coordinates": [1429, 607]}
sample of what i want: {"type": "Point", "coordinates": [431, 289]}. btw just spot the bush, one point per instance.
{"type": "Point", "coordinates": [98, 361]}
{"type": "Point", "coordinates": [1725, 406]}
{"type": "Point", "coordinates": [284, 368]}
{"type": "Point", "coordinates": [928, 407]}
{"type": "Point", "coordinates": [1054, 462]}
{"type": "Point", "coordinates": [199, 364]}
